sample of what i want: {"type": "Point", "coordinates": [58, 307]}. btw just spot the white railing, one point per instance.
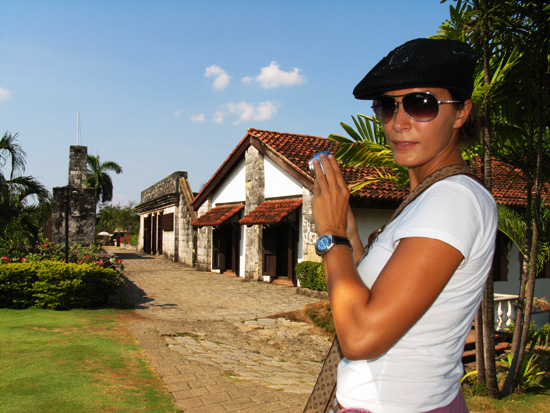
{"type": "Point", "coordinates": [505, 310]}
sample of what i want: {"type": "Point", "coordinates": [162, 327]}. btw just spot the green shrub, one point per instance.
{"type": "Point", "coordinates": [56, 285]}
{"type": "Point", "coordinates": [16, 282]}
{"type": "Point", "coordinates": [311, 275]}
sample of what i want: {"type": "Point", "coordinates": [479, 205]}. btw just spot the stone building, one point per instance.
{"type": "Point", "coordinates": [165, 217]}
{"type": "Point", "coordinates": [74, 203]}
{"type": "Point", "coordinates": [255, 214]}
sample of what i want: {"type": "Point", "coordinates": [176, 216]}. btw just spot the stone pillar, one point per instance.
{"type": "Point", "coordinates": [255, 195]}
{"type": "Point", "coordinates": [308, 227]}
{"type": "Point", "coordinates": [204, 241]}
{"type": "Point", "coordinates": [78, 166]}
{"type": "Point", "coordinates": [187, 234]}
{"type": "Point", "coordinates": [80, 202]}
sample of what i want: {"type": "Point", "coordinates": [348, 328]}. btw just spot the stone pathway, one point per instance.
{"type": "Point", "coordinates": [221, 343]}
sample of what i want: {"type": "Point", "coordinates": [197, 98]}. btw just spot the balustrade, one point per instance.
{"type": "Point", "coordinates": [505, 311]}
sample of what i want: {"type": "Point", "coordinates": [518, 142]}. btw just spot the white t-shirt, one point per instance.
{"type": "Point", "coordinates": [422, 370]}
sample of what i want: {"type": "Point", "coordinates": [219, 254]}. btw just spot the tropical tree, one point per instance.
{"type": "Point", "coordinates": [98, 178]}
{"type": "Point", "coordinates": [111, 218]}
{"type": "Point", "coordinates": [480, 22]}
{"type": "Point", "coordinates": [25, 204]}
{"type": "Point", "coordinates": [529, 87]}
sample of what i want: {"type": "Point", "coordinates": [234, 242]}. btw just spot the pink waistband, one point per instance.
{"type": "Point", "coordinates": [458, 405]}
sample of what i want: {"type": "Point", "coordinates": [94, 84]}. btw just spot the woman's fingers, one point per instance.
{"type": "Point", "coordinates": [331, 198]}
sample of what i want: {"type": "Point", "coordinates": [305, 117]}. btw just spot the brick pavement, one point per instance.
{"type": "Point", "coordinates": [212, 340]}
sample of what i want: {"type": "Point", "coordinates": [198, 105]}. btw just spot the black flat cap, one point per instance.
{"type": "Point", "coordinates": [444, 63]}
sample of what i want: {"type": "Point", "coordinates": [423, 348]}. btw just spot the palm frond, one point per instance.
{"type": "Point", "coordinates": [512, 224]}
{"type": "Point", "coordinates": [367, 146]}
{"type": "Point", "coordinates": [11, 151]}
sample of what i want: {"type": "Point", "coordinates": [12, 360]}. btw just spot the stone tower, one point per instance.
{"type": "Point", "coordinates": [75, 204]}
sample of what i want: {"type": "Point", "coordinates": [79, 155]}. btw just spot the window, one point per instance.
{"type": "Point", "coordinates": [168, 222]}
{"type": "Point", "coordinates": [500, 260]}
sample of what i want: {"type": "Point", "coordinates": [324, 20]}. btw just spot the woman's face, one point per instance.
{"type": "Point", "coordinates": [426, 146]}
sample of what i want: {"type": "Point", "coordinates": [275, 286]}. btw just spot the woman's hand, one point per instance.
{"type": "Point", "coordinates": [330, 198]}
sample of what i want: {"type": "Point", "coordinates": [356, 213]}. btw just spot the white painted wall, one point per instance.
{"type": "Point", "coordinates": [242, 244]}
{"type": "Point", "coordinates": [168, 237]}
{"type": "Point", "coordinates": [542, 285]}
{"type": "Point", "coordinates": [233, 188]}
{"type": "Point", "coordinates": [278, 183]}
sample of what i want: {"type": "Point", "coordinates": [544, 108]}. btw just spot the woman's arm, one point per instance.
{"type": "Point", "coordinates": [369, 322]}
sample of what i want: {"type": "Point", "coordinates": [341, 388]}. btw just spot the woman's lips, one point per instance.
{"type": "Point", "coordinates": [403, 145]}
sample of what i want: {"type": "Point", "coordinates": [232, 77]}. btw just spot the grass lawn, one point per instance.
{"type": "Point", "coordinates": [515, 403]}
{"type": "Point", "coordinates": [87, 361]}
{"type": "Point", "coordinates": [75, 361]}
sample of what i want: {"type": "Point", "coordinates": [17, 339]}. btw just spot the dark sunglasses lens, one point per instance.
{"type": "Point", "coordinates": [422, 107]}
{"type": "Point", "coordinates": [384, 108]}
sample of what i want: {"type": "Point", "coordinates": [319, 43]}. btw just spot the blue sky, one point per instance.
{"type": "Point", "coordinates": [166, 85]}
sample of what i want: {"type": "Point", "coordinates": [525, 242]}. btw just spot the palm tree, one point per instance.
{"type": "Point", "coordinates": [25, 204]}
{"type": "Point", "coordinates": [98, 178]}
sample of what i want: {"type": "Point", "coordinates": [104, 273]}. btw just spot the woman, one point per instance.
{"type": "Point", "coordinates": [403, 311]}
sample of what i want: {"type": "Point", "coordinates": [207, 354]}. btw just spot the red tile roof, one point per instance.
{"type": "Point", "coordinates": [217, 215]}
{"type": "Point", "coordinates": [271, 212]}
{"type": "Point", "coordinates": [508, 185]}
{"type": "Point", "coordinates": [292, 152]}
{"type": "Point", "coordinates": [297, 150]}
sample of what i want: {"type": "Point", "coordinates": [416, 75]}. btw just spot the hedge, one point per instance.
{"type": "Point", "coordinates": [311, 275]}
{"type": "Point", "coordinates": [56, 285]}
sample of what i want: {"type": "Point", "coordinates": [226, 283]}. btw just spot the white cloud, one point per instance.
{"type": "Point", "coordinates": [247, 112]}
{"type": "Point", "coordinates": [271, 77]}
{"type": "Point", "coordinates": [198, 118]}
{"type": "Point", "coordinates": [178, 113]}
{"type": "Point", "coordinates": [218, 117]}
{"type": "Point", "coordinates": [221, 80]}
{"type": "Point", "coordinates": [5, 94]}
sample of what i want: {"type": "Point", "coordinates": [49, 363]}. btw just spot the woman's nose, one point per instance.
{"type": "Point", "coordinates": [400, 118]}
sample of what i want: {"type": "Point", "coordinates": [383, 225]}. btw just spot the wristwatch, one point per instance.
{"type": "Point", "coordinates": [326, 242]}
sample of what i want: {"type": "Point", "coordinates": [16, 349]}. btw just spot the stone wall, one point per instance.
{"type": "Point", "coordinates": [82, 215]}
{"type": "Point", "coordinates": [255, 195]}
{"type": "Point", "coordinates": [167, 186]}
{"type": "Point", "coordinates": [309, 232]}
{"type": "Point", "coordinates": [204, 240]}
{"type": "Point", "coordinates": [187, 234]}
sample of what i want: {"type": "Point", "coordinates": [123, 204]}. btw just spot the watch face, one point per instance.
{"type": "Point", "coordinates": [323, 244]}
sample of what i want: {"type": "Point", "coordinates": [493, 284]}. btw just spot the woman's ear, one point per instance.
{"type": "Point", "coordinates": [463, 113]}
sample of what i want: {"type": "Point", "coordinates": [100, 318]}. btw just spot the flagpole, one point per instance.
{"type": "Point", "coordinates": [77, 127]}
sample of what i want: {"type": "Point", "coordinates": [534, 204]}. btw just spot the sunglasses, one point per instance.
{"type": "Point", "coordinates": [419, 106]}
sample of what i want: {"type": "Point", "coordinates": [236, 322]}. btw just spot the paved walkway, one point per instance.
{"type": "Point", "coordinates": [221, 343]}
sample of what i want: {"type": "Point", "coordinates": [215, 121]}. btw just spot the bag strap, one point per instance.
{"type": "Point", "coordinates": [323, 396]}
{"type": "Point", "coordinates": [445, 172]}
